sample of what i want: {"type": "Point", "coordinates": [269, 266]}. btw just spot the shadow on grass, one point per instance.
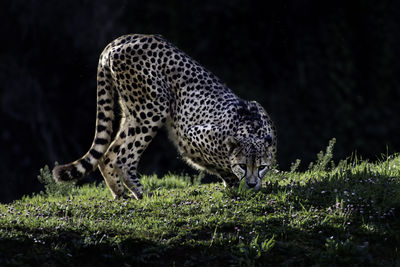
{"type": "Point", "coordinates": [360, 212]}
{"type": "Point", "coordinates": [70, 249]}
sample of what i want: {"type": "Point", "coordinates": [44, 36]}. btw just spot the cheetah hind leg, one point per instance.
{"type": "Point", "coordinates": [111, 177]}
{"type": "Point", "coordinates": [114, 173]}
{"type": "Point", "coordinates": [129, 150]}
{"type": "Point", "coordinates": [115, 179]}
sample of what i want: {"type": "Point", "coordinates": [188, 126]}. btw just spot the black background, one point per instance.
{"type": "Point", "coordinates": [322, 69]}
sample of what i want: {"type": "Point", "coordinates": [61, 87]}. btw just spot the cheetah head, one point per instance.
{"type": "Point", "coordinates": [250, 159]}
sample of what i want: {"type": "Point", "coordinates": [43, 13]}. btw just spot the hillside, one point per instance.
{"type": "Point", "coordinates": [328, 215]}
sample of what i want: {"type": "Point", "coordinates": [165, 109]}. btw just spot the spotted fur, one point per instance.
{"type": "Point", "coordinates": [158, 85]}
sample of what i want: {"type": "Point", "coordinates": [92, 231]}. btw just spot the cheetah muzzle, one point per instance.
{"type": "Point", "coordinates": [158, 85]}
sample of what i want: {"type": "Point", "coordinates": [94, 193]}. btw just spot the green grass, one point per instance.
{"type": "Point", "coordinates": [329, 215]}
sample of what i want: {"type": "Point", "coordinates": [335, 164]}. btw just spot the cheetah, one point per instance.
{"type": "Point", "coordinates": [159, 85]}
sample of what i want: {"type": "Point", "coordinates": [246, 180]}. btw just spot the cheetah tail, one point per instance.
{"type": "Point", "coordinates": [102, 138]}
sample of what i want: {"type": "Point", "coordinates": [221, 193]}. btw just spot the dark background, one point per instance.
{"type": "Point", "coordinates": [322, 69]}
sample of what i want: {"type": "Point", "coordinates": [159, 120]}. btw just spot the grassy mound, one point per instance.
{"type": "Point", "coordinates": [328, 215]}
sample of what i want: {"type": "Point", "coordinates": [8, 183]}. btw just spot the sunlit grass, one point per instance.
{"type": "Point", "coordinates": [344, 214]}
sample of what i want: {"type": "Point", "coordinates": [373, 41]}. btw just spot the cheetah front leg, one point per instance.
{"type": "Point", "coordinates": [229, 180]}
{"type": "Point", "coordinates": [197, 132]}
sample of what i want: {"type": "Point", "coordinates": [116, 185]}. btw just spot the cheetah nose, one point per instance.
{"type": "Point", "coordinates": [251, 184]}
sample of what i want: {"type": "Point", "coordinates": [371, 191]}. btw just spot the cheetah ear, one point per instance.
{"type": "Point", "coordinates": [231, 143]}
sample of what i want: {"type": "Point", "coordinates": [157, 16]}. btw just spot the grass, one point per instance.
{"type": "Point", "coordinates": [326, 216]}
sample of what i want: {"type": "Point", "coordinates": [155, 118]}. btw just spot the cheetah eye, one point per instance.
{"type": "Point", "coordinates": [262, 167]}
{"type": "Point", "coordinates": [243, 166]}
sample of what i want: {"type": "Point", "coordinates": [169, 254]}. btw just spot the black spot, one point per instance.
{"type": "Point", "coordinates": [131, 131]}
{"type": "Point", "coordinates": [101, 92]}
{"type": "Point", "coordinates": [64, 176]}
{"type": "Point", "coordinates": [106, 161]}
{"type": "Point", "coordinates": [116, 149]}
{"type": "Point", "coordinates": [122, 135]}
{"type": "Point", "coordinates": [147, 138]}
{"type": "Point", "coordinates": [101, 128]}
{"type": "Point", "coordinates": [96, 154]}
{"type": "Point", "coordinates": [101, 116]}
{"type": "Point", "coordinates": [130, 146]}
{"type": "Point", "coordinates": [137, 144]}
{"type": "Point", "coordinates": [268, 139]}
{"type": "Point", "coordinates": [144, 129]}
{"type": "Point", "coordinates": [155, 118]}
{"type": "Point", "coordinates": [100, 141]}
{"type": "Point", "coordinates": [75, 173]}
{"type": "Point", "coordinates": [86, 165]}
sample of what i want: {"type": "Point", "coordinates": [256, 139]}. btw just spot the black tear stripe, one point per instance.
{"type": "Point", "coordinates": [86, 165]}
